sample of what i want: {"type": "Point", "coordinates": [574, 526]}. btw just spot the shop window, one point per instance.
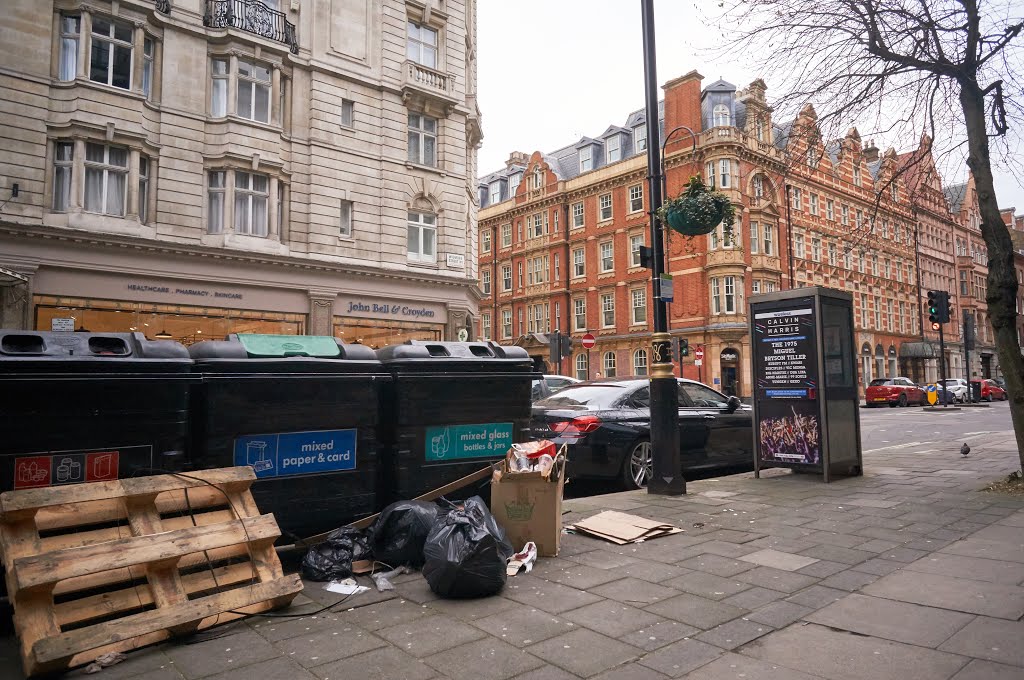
{"type": "Point", "coordinates": [609, 364]}
{"type": "Point", "coordinates": [377, 333]}
{"type": "Point", "coordinates": [422, 237]}
{"type": "Point", "coordinates": [421, 44]}
{"type": "Point", "coordinates": [582, 367]}
{"type": "Point", "coordinates": [640, 362]}
{"type": "Point", "coordinates": [422, 140]}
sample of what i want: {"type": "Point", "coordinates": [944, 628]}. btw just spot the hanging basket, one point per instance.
{"type": "Point", "coordinates": [698, 210]}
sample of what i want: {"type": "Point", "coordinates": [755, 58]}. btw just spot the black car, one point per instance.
{"type": "Point", "coordinates": [606, 425]}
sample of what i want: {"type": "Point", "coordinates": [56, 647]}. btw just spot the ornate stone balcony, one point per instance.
{"type": "Point", "coordinates": [726, 257]}
{"type": "Point", "coordinates": [253, 17]}
{"type": "Point", "coordinates": [428, 88]}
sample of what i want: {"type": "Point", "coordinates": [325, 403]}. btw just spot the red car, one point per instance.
{"type": "Point", "coordinates": [894, 392]}
{"type": "Point", "coordinates": [990, 390]}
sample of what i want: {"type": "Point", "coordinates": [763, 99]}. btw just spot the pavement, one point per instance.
{"type": "Point", "coordinates": [909, 572]}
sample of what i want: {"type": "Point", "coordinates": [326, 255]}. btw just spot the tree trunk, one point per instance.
{"type": "Point", "coordinates": [1002, 280]}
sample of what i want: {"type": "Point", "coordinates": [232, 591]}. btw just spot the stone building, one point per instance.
{"type": "Point", "coordinates": [560, 234]}
{"type": "Point", "coordinates": [190, 168]}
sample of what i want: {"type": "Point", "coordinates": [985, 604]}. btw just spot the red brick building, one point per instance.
{"type": "Point", "coordinates": [560, 234]}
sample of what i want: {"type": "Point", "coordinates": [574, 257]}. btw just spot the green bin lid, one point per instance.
{"type": "Point", "coordinates": [257, 345]}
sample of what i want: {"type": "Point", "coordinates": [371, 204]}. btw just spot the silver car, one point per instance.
{"type": "Point", "coordinates": [958, 388]}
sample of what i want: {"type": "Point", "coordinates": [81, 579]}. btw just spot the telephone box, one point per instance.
{"type": "Point", "coordinates": [805, 382]}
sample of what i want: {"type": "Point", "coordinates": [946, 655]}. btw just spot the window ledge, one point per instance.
{"type": "Point", "coordinates": [606, 222]}
{"type": "Point", "coordinates": [420, 264]}
{"type": "Point", "coordinates": [256, 244]}
{"type": "Point", "coordinates": [234, 118]}
{"type": "Point", "coordinates": [429, 168]}
{"type": "Point", "coordinates": [101, 87]}
{"type": "Point", "coordinates": [104, 224]}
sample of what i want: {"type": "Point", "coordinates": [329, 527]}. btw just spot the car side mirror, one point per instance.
{"type": "Point", "coordinates": [734, 403]}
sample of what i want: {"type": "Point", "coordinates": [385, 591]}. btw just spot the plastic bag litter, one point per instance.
{"type": "Point", "coordinates": [382, 579]}
{"type": "Point", "coordinates": [466, 552]}
{"type": "Point", "coordinates": [332, 560]}
{"type": "Point", "coordinates": [397, 536]}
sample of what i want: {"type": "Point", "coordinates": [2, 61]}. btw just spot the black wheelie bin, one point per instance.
{"type": "Point", "coordinates": [303, 411]}
{"type": "Point", "coordinates": [453, 407]}
{"type": "Point", "coordinates": [90, 407]}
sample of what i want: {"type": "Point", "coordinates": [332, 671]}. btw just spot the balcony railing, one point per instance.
{"type": "Point", "coordinates": [163, 6]}
{"type": "Point", "coordinates": [422, 82]}
{"type": "Point", "coordinates": [253, 17]}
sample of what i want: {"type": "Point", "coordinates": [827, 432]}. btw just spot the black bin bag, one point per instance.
{"type": "Point", "coordinates": [398, 535]}
{"type": "Point", "coordinates": [466, 553]}
{"type": "Point", "coordinates": [332, 560]}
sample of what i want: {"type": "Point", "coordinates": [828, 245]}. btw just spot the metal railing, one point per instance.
{"type": "Point", "coordinates": [253, 17]}
{"type": "Point", "coordinates": [163, 6]}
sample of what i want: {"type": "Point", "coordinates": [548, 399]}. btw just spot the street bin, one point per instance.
{"type": "Point", "coordinates": [976, 391]}
{"type": "Point", "coordinates": [90, 407]}
{"type": "Point", "coordinates": [454, 407]}
{"type": "Point", "coordinates": [304, 412]}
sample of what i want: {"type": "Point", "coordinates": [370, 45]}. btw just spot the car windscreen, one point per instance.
{"type": "Point", "coordinates": [880, 381]}
{"type": "Point", "coordinates": [598, 395]}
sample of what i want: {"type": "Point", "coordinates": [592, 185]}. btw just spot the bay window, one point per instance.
{"type": "Point", "coordinates": [251, 198]}
{"type": "Point", "coordinates": [63, 161]}
{"type": "Point", "coordinates": [110, 59]}
{"type": "Point", "coordinates": [253, 98]}
{"type": "Point", "coordinates": [106, 179]}
{"type": "Point", "coordinates": [70, 34]}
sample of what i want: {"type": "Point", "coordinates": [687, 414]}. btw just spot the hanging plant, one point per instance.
{"type": "Point", "coordinates": [698, 210]}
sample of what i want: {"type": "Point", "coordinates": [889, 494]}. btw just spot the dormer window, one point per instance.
{"type": "Point", "coordinates": [586, 159]}
{"type": "Point", "coordinates": [721, 114]}
{"type": "Point", "coordinates": [495, 196]}
{"type": "Point", "coordinates": [639, 138]}
{"type": "Point", "coordinates": [613, 149]}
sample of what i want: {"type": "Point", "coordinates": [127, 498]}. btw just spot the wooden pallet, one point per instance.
{"type": "Point", "coordinates": [112, 566]}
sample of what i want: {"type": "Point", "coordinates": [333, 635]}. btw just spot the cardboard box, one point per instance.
{"type": "Point", "coordinates": [528, 506]}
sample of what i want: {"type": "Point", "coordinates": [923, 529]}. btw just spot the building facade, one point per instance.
{"type": "Point", "coordinates": [560, 238]}
{"type": "Point", "coordinates": [191, 168]}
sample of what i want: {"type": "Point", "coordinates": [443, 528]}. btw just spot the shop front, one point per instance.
{"type": "Point", "coordinates": [378, 322]}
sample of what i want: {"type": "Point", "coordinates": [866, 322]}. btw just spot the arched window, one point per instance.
{"type": "Point", "coordinates": [721, 113]}
{"type": "Point", "coordinates": [758, 187]}
{"type": "Point", "coordinates": [582, 370]}
{"type": "Point", "coordinates": [640, 362]}
{"type": "Point", "coordinates": [609, 364]}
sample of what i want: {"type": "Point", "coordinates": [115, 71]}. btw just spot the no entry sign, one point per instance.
{"type": "Point", "coordinates": [588, 340]}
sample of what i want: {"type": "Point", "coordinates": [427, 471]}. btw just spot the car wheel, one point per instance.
{"type": "Point", "coordinates": [903, 400]}
{"type": "Point", "coordinates": [989, 398]}
{"type": "Point", "coordinates": [638, 466]}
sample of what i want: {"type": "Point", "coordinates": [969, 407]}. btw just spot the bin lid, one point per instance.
{"type": "Point", "coordinates": [260, 346]}
{"type": "Point", "coordinates": [79, 346]}
{"type": "Point", "coordinates": [430, 350]}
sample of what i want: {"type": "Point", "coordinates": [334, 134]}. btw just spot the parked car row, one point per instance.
{"type": "Point", "coordinates": [901, 391]}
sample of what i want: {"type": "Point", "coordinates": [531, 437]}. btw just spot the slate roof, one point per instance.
{"type": "Point", "coordinates": [955, 194]}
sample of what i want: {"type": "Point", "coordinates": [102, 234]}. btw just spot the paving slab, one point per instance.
{"type": "Point", "coordinates": [991, 639]}
{"type": "Point", "coordinates": [425, 636]}
{"type": "Point", "coordinates": [655, 572]}
{"type": "Point", "coordinates": [779, 614]}
{"type": "Point", "coordinates": [892, 620]}
{"type": "Point", "coordinates": [148, 662]}
{"type": "Point", "coordinates": [851, 579]}
{"type": "Point", "coordinates": [839, 655]}
{"type": "Point", "coordinates": [386, 663]}
{"type": "Point", "coordinates": [823, 569]}
{"type": "Point", "coordinates": [551, 597]}
{"type": "Point", "coordinates": [735, 633]}
{"type": "Point", "coordinates": [579, 576]}
{"type": "Point", "coordinates": [523, 625]}
{"type": "Point", "coordinates": [977, 568]}
{"type": "Point", "coordinates": [716, 564]}
{"type": "Point", "coordinates": [776, 579]}
{"type": "Point", "coordinates": [220, 650]}
{"type": "Point", "coordinates": [731, 666]}
{"type": "Point", "coordinates": [754, 597]}
{"type": "Point", "coordinates": [611, 618]}
{"type": "Point", "coordinates": [381, 615]}
{"type": "Point", "coordinates": [635, 591]}
{"type": "Point", "coordinates": [679, 658]}
{"type": "Point", "coordinates": [657, 635]}
{"type": "Point", "coordinates": [470, 610]}
{"type": "Point", "coordinates": [603, 559]}
{"type": "Point", "coordinates": [629, 671]}
{"type": "Point", "coordinates": [993, 550]}
{"type": "Point", "coordinates": [879, 566]}
{"type": "Point", "coordinates": [547, 673]}
{"type": "Point", "coordinates": [960, 594]}
{"type": "Point", "coordinates": [987, 670]}
{"type": "Point", "coordinates": [265, 670]}
{"type": "Point", "coordinates": [695, 611]}
{"type": "Point", "coordinates": [817, 596]}
{"type": "Point", "coordinates": [585, 652]}
{"type": "Point", "coordinates": [779, 560]}
{"type": "Point", "coordinates": [328, 644]}
{"type": "Point", "coordinates": [487, 659]}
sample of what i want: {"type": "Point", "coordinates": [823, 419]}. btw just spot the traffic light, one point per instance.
{"type": "Point", "coordinates": [566, 346]}
{"type": "Point", "coordinates": [933, 307]}
{"type": "Point", "coordinates": [684, 347]}
{"type": "Point", "coordinates": [940, 309]}
{"type": "Point", "coordinates": [948, 306]}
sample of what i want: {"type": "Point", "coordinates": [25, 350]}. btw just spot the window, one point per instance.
{"type": "Point", "coordinates": [579, 314]}
{"type": "Point", "coordinates": [639, 139]}
{"type": "Point", "coordinates": [721, 114]}
{"type": "Point", "coordinates": [860, 262]}
{"type": "Point", "coordinates": [577, 214]}
{"type": "Point", "coordinates": [143, 189]}
{"type": "Point", "coordinates": [609, 364]}
{"type": "Point", "coordinates": [219, 88]}
{"type": "Point", "coordinates": [814, 204]}
{"type": "Point", "coordinates": [422, 140]}
{"type": "Point", "coordinates": [856, 175]}
{"type": "Point", "coordinates": [640, 362]}
{"type": "Point", "coordinates": [607, 257]}
{"type": "Point", "coordinates": [513, 183]}
{"type": "Point", "coordinates": [755, 287]}
{"type": "Point", "coordinates": [716, 296]}
{"type": "Point", "coordinates": [713, 238]}
{"type": "Point", "coordinates": [709, 172]}
{"type": "Point", "coordinates": [878, 312]}
{"type": "Point", "coordinates": [253, 100]}
{"type": "Point", "coordinates": [485, 326]}
{"type": "Point", "coordinates": [847, 260]}
{"type": "Point", "coordinates": [422, 237]}
{"type": "Point", "coordinates": [864, 310]}
{"type": "Point", "coordinates": [537, 179]}
{"type": "Point", "coordinates": [506, 323]}
{"type": "Point", "coordinates": [494, 196]}
{"type": "Point", "coordinates": [215, 201]}
{"type": "Point", "coordinates": [63, 161]}
{"type": "Point", "coordinates": [520, 321]}
{"type": "Point", "coordinates": [846, 216]}
{"type": "Point", "coordinates": [730, 295]}
{"type": "Point", "coordinates": [874, 265]}
{"type": "Point", "coordinates": [759, 130]}
{"type": "Point", "coordinates": [903, 317]}
{"type": "Point", "coordinates": [769, 239]}
{"type": "Point", "coordinates": [758, 187]}
{"type": "Point", "coordinates": [730, 236]}
{"type": "Point", "coordinates": [485, 281]}
{"type": "Point", "coordinates": [421, 44]}
{"type": "Point", "coordinates": [506, 277]}
{"type": "Point", "coordinates": [639, 299]}
{"type": "Point", "coordinates": [963, 283]}
{"type": "Point", "coordinates": [636, 198]}
{"type": "Point", "coordinates": [538, 226]}
{"type": "Point", "coordinates": [635, 243]}
{"type": "Point", "coordinates": [582, 369]}
{"type": "Point", "coordinates": [754, 238]}
{"type": "Point", "coordinates": [485, 241]}
{"type": "Point", "coordinates": [613, 149]}
{"type": "Point", "coordinates": [832, 254]}
{"type": "Point", "coordinates": [899, 270]}
{"type": "Point", "coordinates": [586, 159]}
{"type": "Point", "coordinates": [769, 286]}
{"type": "Point", "coordinates": [348, 113]}
{"type": "Point", "coordinates": [110, 61]}
{"type": "Point", "coordinates": [830, 210]}
{"type": "Point", "coordinates": [579, 264]}
{"type": "Point", "coordinates": [816, 249]}
{"type": "Point", "coordinates": [251, 194]}
{"type": "Point", "coordinates": [70, 29]}
{"type": "Point", "coordinates": [557, 266]}
{"type": "Point", "coordinates": [858, 220]}
{"type": "Point", "coordinates": [894, 191]}
{"type": "Point", "coordinates": [519, 269]}
{"type": "Point", "coordinates": [795, 198]}
{"type": "Point", "coordinates": [506, 235]}
{"type": "Point", "coordinates": [887, 268]}
{"type": "Point", "coordinates": [798, 245]}
{"type": "Point", "coordinates": [148, 53]}
{"type": "Point", "coordinates": [607, 310]}
{"type": "Point", "coordinates": [106, 179]}
{"type": "Point", "coordinates": [812, 157]}
{"type": "Point", "coordinates": [605, 204]}
{"type": "Point", "coordinates": [345, 222]}
{"type": "Point", "coordinates": [725, 172]}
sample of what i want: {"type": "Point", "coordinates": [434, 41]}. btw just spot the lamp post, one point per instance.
{"type": "Point", "coordinates": [666, 468]}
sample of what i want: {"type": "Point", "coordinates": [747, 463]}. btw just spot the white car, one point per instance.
{"type": "Point", "coordinates": [958, 388]}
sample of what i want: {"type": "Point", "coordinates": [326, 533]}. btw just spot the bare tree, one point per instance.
{"type": "Point", "coordinates": [951, 68]}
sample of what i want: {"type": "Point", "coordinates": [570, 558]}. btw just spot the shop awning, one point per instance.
{"type": "Point", "coordinates": [9, 277]}
{"type": "Point", "coordinates": [922, 350]}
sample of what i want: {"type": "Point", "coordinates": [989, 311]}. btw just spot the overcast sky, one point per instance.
{"type": "Point", "coordinates": [551, 71]}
